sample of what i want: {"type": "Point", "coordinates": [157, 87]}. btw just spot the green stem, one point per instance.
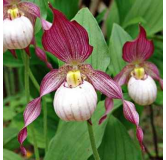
{"type": "Point", "coordinates": [34, 81]}
{"type": "Point", "coordinates": [45, 124]}
{"type": "Point", "coordinates": [11, 75]}
{"type": "Point", "coordinates": [27, 93]}
{"type": "Point", "coordinates": [92, 140]}
{"type": "Point", "coordinates": [7, 83]}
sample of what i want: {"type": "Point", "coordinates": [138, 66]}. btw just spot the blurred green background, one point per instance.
{"type": "Point", "coordinates": [110, 23]}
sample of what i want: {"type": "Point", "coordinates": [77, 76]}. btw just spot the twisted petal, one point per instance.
{"type": "Point", "coordinates": [124, 75]}
{"type": "Point", "coordinates": [50, 83]}
{"type": "Point", "coordinates": [42, 56]}
{"type": "Point", "coordinates": [11, 1]}
{"type": "Point", "coordinates": [138, 50]}
{"type": "Point", "coordinates": [152, 70]}
{"type": "Point", "coordinates": [67, 40]}
{"type": "Point", "coordinates": [131, 115]}
{"type": "Point", "coordinates": [31, 112]}
{"type": "Point", "coordinates": [5, 2]}
{"type": "Point", "coordinates": [30, 7]}
{"type": "Point", "coordinates": [45, 24]}
{"type": "Point", "coordinates": [39, 52]}
{"type": "Point", "coordinates": [108, 107]}
{"type": "Point", "coordinates": [104, 83]}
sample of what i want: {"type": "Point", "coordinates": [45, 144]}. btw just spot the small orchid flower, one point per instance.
{"type": "Point", "coordinates": [19, 19]}
{"type": "Point", "coordinates": [75, 82]}
{"type": "Point", "coordinates": [139, 73]}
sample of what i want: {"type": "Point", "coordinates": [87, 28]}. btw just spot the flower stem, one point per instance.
{"type": "Point", "coordinates": [154, 130]}
{"type": "Point", "coordinates": [7, 83]}
{"type": "Point", "coordinates": [45, 124]}
{"type": "Point", "coordinates": [27, 93]}
{"type": "Point", "coordinates": [11, 75]}
{"type": "Point", "coordinates": [92, 141]}
{"type": "Point", "coordinates": [34, 81]}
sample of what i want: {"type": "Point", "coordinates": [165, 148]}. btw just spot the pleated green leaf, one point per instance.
{"type": "Point", "coordinates": [99, 58]}
{"type": "Point", "coordinates": [9, 155]}
{"type": "Point", "coordinates": [117, 144]}
{"type": "Point", "coordinates": [117, 40]}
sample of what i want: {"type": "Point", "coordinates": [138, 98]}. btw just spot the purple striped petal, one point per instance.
{"type": "Point", "coordinates": [108, 107]}
{"type": "Point", "coordinates": [140, 136]}
{"type": "Point", "coordinates": [45, 24]}
{"type": "Point", "coordinates": [105, 84]}
{"type": "Point", "coordinates": [161, 83]}
{"type": "Point", "coordinates": [52, 80]}
{"type": "Point", "coordinates": [49, 83]}
{"type": "Point", "coordinates": [138, 50]}
{"type": "Point", "coordinates": [39, 52]}
{"type": "Point", "coordinates": [42, 56]}
{"type": "Point", "coordinates": [152, 70]}
{"type": "Point", "coordinates": [11, 1]}
{"type": "Point", "coordinates": [30, 7]}
{"type": "Point", "coordinates": [31, 112]}
{"type": "Point", "coordinates": [67, 40]}
{"type": "Point", "coordinates": [124, 75]}
{"type": "Point", "coordinates": [5, 2]}
{"type": "Point", "coordinates": [131, 115]}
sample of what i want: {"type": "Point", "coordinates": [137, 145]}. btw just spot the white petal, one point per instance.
{"type": "Point", "coordinates": [17, 33]}
{"type": "Point", "coordinates": [75, 104]}
{"type": "Point", "coordinates": [143, 92]}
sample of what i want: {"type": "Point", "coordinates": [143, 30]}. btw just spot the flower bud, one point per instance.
{"type": "Point", "coordinates": [144, 91]}
{"type": "Point", "coordinates": [75, 104]}
{"type": "Point", "coordinates": [17, 33]}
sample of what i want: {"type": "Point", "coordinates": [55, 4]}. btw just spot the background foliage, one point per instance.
{"type": "Point", "coordinates": [109, 25]}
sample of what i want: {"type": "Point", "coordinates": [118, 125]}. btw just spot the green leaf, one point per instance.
{"type": "Point", "coordinates": [135, 20]}
{"type": "Point", "coordinates": [10, 61]}
{"type": "Point", "coordinates": [99, 58]}
{"type": "Point", "coordinates": [10, 138]}
{"type": "Point", "coordinates": [157, 57]}
{"type": "Point", "coordinates": [18, 123]}
{"type": "Point", "coordinates": [38, 128]}
{"type": "Point", "coordinates": [151, 11]}
{"type": "Point", "coordinates": [101, 15]}
{"type": "Point", "coordinates": [113, 17]}
{"type": "Point", "coordinates": [9, 155]}
{"type": "Point", "coordinates": [72, 140]}
{"type": "Point", "coordinates": [117, 40]}
{"type": "Point", "coordinates": [8, 113]}
{"type": "Point", "coordinates": [132, 12]}
{"type": "Point", "coordinates": [123, 8]}
{"type": "Point", "coordinates": [159, 99]}
{"type": "Point", "coordinates": [9, 134]}
{"type": "Point", "coordinates": [117, 144]}
{"type": "Point", "coordinates": [68, 7]}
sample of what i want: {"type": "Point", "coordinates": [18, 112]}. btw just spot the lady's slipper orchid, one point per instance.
{"type": "Point", "coordinates": [75, 82]}
{"type": "Point", "coordinates": [139, 73]}
{"type": "Point", "coordinates": [19, 19]}
{"type": "Point", "coordinates": [18, 27]}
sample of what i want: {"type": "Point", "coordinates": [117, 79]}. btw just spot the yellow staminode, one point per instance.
{"type": "Point", "coordinates": [139, 72]}
{"type": "Point", "coordinates": [13, 13]}
{"type": "Point", "coordinates": [74, 78]}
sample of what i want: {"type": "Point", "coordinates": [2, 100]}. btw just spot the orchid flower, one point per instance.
{"type": "Point", "coordinates": [138, 74]}
{"type": "Point", "coordinates": [75, 82]}
{"type": "Point", "coordinates": [18, 27]}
